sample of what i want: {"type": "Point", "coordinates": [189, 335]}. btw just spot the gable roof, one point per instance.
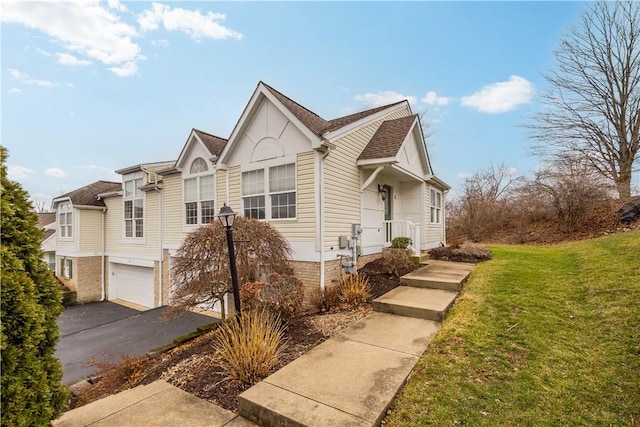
{"type": "Point", "coordinates": [45, 218]}
{"type": "Point", "coordinates": [214, 144]}
{"type": "Point", "coordinates": [46, 234]}
{"type": "Point", "coordinates": [317, 124]}
{"type": "Point", "coordinates": [86, 196]}
{"type": "Point", "coordinates": [388, 138]}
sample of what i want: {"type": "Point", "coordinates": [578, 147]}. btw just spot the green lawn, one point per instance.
{"type": "Point", "coordinates": [541, 335]}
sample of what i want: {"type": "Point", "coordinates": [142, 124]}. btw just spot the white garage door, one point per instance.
{"type": "Point", "coordinates": [132, 283]}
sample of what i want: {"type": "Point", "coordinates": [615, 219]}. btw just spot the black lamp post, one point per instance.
{"type": "Point", "coordinates": [227, 215]}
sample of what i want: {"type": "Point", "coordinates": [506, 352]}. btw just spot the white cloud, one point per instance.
{"type": "Point", "coordinates": [55, 172]}
{"type": "Point", "coordinates": [126, 70]}
{"type": "Point", "coordinates": [25, 78]}
{"type": "Point", "coordinates": [192, 22]}
{"type": "Point", "coordinates": [379, 99]}
{"type": "Point", "coordinates": [501, 97]}
{"type": "Point", "coordinates": [344, 88]}
{"type": "Point", "coordinates": [115, 4]}
{"type": "Point", "coordinates": [465, 175]}
{"type": "Point", "coordinates": [67, 59]}
{"type": "Point", "coordinates": [160, 42]}
{"type": "Point", "coordinates": [510, 171]}
{"type": "Point", "coordinates": [44, 52]}
{"type": "Point", "coordinates": [14, 90]}
{"type": "Point", "coordinates": [17, 172]}
{"type": "Point", "coordinates": [432, 98]}
{"type": "Point", "coordinates": [85, 27]}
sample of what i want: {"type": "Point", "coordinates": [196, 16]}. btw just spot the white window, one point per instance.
{"type": "Point", "coordinates": [133, 209]}
{"type": "Point", "coordinates": [199, 194]}
{"type": "Point", "coordinates": [65, 220]}
{"type": "Point", "coordinates": [436, 206]}
{"type": "Point", "coordinates": [282, 191]}
{"type": "Point", "coordinates": [66, 268]}
{"type": "Point", "coordinates": [281, 203]}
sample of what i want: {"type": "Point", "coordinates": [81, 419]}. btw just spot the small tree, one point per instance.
{"type": "Point", "coordinates": [32, 393]}
{"type": "Point", "coordinates": [200, 275]}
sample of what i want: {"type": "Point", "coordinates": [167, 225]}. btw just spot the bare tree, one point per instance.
{"type": "Point", "coordinates": [483, 206]}
{"type": "Point", "coordinates": [570, 188]}
{"type": "Point", "coordinates": [200, 275]}
{"type": "Point", "coordinates": [592, 109]}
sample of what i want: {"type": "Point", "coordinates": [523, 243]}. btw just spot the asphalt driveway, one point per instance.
{"type": "Point", "coordinates": [105, 331]}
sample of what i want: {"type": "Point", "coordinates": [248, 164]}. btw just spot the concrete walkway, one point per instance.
{"type": "Point", "coordinates": [349, 380]}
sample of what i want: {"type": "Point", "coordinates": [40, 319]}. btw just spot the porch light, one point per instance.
{"type": "Point", "coordinates": [383, 191]}
{"type": "Point", "coordinates": [227, 215]}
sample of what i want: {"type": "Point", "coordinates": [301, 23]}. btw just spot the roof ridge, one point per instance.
{"type": "Point", "coordinates": [210, 134]}
{"type": "Point", "coordinates": [295, 102]}
{"type": "Point", "coordinates": [369, 111]}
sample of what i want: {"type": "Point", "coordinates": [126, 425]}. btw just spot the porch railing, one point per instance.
{"type": "Point", "coordinates": [404, 228]}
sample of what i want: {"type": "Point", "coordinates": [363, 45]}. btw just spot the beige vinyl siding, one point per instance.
{"type": "Point", "coordinates": [234, 189]}
{"type": "Point", "coordinates": [116, 242]}
{"type": "Point", "coordinates": [65, 244]}
{"type": "Point", "coordinates": [172, 216]}
{"type": "Point", "coordinates": [221, 189]}
{"type": "Point", "coordinates": [342, 181]}
{"type": "Point", "coordinates": [302, 229]}
{"type": "Point", "coordinates": [90, 233]}
{"type": "Point", "coordinates": [433, 233]}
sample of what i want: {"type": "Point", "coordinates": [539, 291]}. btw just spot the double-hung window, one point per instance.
{"type": "Point", "coordinates": [436, 206]}
{"type": "Point", "coordinates": [65, 220]}
{"type": "Point", "coordinates": [253, 194]}
{"type": "Point", "coordinates": [133, 209]}
{"type": "Point", "coordinates": [199, 194]}
{"type": "Point", "coordinates": [279, 185]}
{"type": "Point", "coordinates": [282, 190]}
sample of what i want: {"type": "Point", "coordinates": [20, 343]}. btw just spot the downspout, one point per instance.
{"type": "Point", "coordinates": [103, 293]}
{"type": "Point", "coordinates": [160, 263]}
{"type": "Point", "coordinates": [322, 261]}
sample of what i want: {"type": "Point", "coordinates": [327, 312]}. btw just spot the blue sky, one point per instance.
{"type": "Point", "coordinates": [90, 87]}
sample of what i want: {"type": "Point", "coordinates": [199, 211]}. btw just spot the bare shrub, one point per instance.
{"type": "Point", "coordinates": [355, 289]}
{"type": "Point", "coordinates": [250, 348]}
{"type": "Point", "coordinates": [200, 274]}
{"type": "Point", "coordinates": [395, 260]}
{"type": "Point", "coordinates": [281, 294]}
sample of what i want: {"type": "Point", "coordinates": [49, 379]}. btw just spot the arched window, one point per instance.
{"type": "Point", "coordinates": [198, 166]}
{"type": "Point", "coordinates": [198, 194]}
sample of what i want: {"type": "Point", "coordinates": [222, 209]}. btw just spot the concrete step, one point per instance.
{"type": "Point", "coordinates": [422, 303]}
{"type": "Point", "coordinates": [435, 278]}
{"type": "Point", "coordinates": [349, 380]}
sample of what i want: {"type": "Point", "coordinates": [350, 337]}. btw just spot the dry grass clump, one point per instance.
{"type": "Point", "coordinates": [250, 348]}
{"type": "Point", "coordinates": [327, 299]}
{"type": "Point", "coordinates": [355, 289]}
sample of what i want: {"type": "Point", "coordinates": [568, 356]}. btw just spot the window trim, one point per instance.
{"type": "Point", "coordinates": [197, 176]}
{"type": "Point", "coordinates": [266, 193]}
{"type": "Point", "coordinates": [435, 206]}
{"type": "Point", "coordinates": [137, 195]}
{"type": "Point", "coordinates": [66, 209]}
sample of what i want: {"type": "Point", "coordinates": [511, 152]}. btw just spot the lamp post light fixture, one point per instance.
{"type": "Point", "coordinates": [227, 215]}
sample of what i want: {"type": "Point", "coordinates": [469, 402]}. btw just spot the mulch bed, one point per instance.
{"type": "Point", "coordinates": [193, 366]}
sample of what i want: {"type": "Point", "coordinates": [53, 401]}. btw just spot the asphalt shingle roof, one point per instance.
{"type": "Point", "coordinates": [388, 138]}
{"type": "Point", "coordinates": [214, 144]}
{"type": "Point", "coordinates": [86, 196]}
{"type": "Point", "coordinates": [314, 122]}
{"type": "Point", "coordinates": [45, 218]}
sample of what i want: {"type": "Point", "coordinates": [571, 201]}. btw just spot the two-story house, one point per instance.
{"type": "Point", "coordinates": [319, 182]}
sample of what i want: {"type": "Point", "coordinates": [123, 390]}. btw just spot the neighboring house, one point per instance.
{"type": "Point", "coordinates": [80, 239]}
{"type": "Point", "coordinates": [47, 223]}
{"type": "Point", "coordinates": [312, 179]}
